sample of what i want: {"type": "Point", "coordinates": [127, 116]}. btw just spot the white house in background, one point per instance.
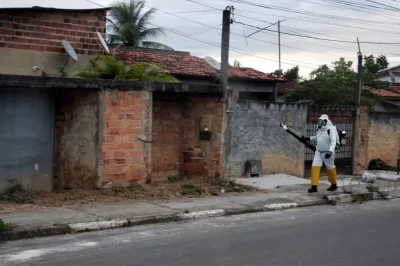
{"type": "Point", "coordinates": [391, 74]}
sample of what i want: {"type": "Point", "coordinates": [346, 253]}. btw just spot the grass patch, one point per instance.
{"type": "Point", "coordinates": [191, 190]}
{"type": "Point", "coordinates": [17, 194]}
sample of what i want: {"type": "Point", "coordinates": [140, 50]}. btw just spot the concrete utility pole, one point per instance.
{"type": "Point", "coordinates": [226, 27]}
{"type": "Point", "coordinates": [227, 93]}
{"type": "Point", "coordinates": [279, 43]}
{"type": "Point", "coordinates": [357, 104]}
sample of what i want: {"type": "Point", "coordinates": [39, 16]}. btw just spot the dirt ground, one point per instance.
{"type": "Point", "coordinates": [20, 200]}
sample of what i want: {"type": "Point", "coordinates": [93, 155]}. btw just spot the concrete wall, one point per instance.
{"type": "Point", "coordinates": [76, 138]}
{"type": "Point", "coordinates": [379, 137]}
{"type": "Point", "coordinates": [177, 150]}
{"type": "Point", "coordinates": [384, 137]}
{"type": "Point", "coordinates": [256, 135]}
{"type": "Point", "coordinates": [33, 38]}
{"type": "Point", "coordinates": [125, 129]}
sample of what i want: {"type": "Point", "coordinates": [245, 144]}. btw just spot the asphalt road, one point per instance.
{"type": "Point", "coordinates": [367, 234]}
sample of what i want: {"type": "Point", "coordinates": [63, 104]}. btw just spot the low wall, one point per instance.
{"type": "Point", "coordinates": [255, 134]}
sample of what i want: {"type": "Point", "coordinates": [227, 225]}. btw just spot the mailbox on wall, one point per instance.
{"type": "Point", "coordinates": [206, 127]}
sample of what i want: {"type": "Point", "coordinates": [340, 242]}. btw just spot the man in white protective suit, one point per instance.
{"type": "Point", "coordinates": [326, 139]}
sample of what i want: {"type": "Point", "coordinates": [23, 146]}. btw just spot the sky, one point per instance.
{"type": "Point", "coordinates": [196, 28]}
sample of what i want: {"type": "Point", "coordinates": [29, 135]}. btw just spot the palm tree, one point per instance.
{"type": "Point", "coordinates": [129, 25]}
{"type": "Point", "coordinates": [107, 67]}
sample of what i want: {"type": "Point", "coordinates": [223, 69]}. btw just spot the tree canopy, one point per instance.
{"type": "Point", "coordinates": [335, 84]}
{"type": "Point", "coordinates": [130, 25]}
{"type": "Point", "coordinates": [291, 75]}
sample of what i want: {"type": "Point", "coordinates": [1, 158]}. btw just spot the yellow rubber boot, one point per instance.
{"type": "Point", "coordinates": [332, 179]}
{"type": "Point", "coordinates": [315, 171]}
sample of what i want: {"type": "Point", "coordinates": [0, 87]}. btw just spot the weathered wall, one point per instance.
{"type": "Point", "coordinates": [33, 38]}
{"type": "Point", "coordinates": [26, 138]}
{"type": "Point", "coordinates": [125, 129]}
{"type": "Point", "coordinates": [176, 148]}
{"type": "Point", "coordinates": [166, 135]}
{"type": "Point", "coordinates": [76, 138]}
{"type": "Point", "coordinates": [384, 137]}
{"type": "Point", "coordinates": [256, 135]}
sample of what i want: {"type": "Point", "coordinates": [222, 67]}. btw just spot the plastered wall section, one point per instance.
{"type": "Point", "coordinates": [76, 128]}
{"type": "Point", "coordinates": [255, 134]}
{"type": "Point", "coordinates": [384, 137]}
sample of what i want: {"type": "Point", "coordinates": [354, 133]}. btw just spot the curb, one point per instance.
{"type": "Point", "coordinates": [120, 223]}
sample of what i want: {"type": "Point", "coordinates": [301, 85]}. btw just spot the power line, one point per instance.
{"type": "Point", "coordinates": [233, 49]}
{"type": "Point", "coordinates": [250, 38]}
{"type": "Point", "coordinates": [322, 39]}
{"type": "Point", "coordinates": [296, 18]}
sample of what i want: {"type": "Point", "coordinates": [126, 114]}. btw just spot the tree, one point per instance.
{"type": "Point", "coordinates": [129, 25]}
{"type": "Point", "coordinates": [373, 65]}
{"type": "Point", "coordinates": [236, 63]}
{"type": "Point", "coordinates": [334, 85]}
{"type": "Point", "coordinates": [292, 74]}
{"type": "Point", "coordinates": [107, 67]}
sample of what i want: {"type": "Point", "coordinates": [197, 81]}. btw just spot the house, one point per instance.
{"type": "Point", "coordinates": [391, 74]}
{"type": "Point", "coordinates": [251, 84]}
{"type": "Point", "coordinates": [31, 46]}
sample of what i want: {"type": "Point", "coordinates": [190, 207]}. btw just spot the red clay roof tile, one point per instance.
{"type": "Point", "coordinates": [184, 64]}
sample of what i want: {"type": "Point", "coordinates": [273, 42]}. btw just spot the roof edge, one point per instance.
{"type": "Point", "coordinates": [12, 81]}
{"type": "Point", "coordinates": [39, 8]}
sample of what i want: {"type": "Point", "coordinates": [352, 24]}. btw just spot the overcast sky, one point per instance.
{"type": "Point", "coordinates": [262, 54]}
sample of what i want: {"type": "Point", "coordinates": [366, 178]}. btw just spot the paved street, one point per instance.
{"type": "Point", "coordinates": [366, 234]}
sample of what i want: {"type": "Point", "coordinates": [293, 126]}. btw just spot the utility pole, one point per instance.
{"type": "Point", "coordinates": [357, 104]}
{"type": "Point", "coordinates": [226, 27]}
{"type": "Point", "coordinates": [227, 93]}
{"type": "Point", "coordinates": [279, 43]}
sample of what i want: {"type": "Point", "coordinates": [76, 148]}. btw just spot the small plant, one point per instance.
{"type": "Point", "coordinates": [18, 195]}
{"type": "Point", "coordinates": [191, 190]}
{"type": "Point", "coordinates": [187, 211]}
{"type": "Point", "coordinates": [378, 164]}
{"type": "Point", "coordinates": [3, 226]}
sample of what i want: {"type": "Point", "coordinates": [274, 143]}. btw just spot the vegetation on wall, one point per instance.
{"type": "Point", "coordinates": [108, 67]}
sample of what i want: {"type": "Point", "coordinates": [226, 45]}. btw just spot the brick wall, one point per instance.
{"type": "Point", "coordinates": [166, 136]}
{"type": "Point", "coordinates": [200, 157]}
{"type": "Point", "coordinates": [44, 31]}
{"type": "Point", "coordinates": [126, 120]}
{"type": "Point", "coordinates": [176, 148]}
{"type": "Point", "coordinates": [76, 131]}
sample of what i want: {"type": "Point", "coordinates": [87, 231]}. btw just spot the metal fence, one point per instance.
{"type": "Point", "coordinates": [342, 118]}
{"type": "Point", "coordinates": [343, 152]}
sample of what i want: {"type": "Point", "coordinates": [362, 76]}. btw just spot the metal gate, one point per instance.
{"type": "Point", "coordinates": [343, 119]}
{"type": "Point", "coordinates": [26, 138]}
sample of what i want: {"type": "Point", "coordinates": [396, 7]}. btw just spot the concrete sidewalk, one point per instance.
{"type": "Point", "coordinates": [284, 192]}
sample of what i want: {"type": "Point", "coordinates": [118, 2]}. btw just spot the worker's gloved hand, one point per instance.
{"type": "Point", "coordinates": [328, 154]}
{"type": "Point", "coordinates": [305, 138]}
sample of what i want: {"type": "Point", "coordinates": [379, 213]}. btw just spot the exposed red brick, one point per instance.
{"type": "Point", "coordinates": [123, 155]}
{"type": "Point", "coordinates": [50, 28]}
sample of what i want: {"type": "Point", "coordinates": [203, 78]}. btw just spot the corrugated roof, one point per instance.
{"type": "Point", "coordinates": [184, 64]}
{"type": "Point", "coordinates": [387, 93]}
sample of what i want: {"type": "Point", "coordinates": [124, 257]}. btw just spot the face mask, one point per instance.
{"type": "Point", "coordinates": [321, 123]}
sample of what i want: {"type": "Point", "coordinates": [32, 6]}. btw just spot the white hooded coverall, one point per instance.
{"type": "Point", "coordinates": [325, 143]}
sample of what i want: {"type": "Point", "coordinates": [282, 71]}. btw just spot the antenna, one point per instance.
{"type": "Point", "coordinates": [103, 43]}
{"type": "Point", "coordinates": [71, 53]}
{"type": "Point", "coordinates": [213, 63]}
